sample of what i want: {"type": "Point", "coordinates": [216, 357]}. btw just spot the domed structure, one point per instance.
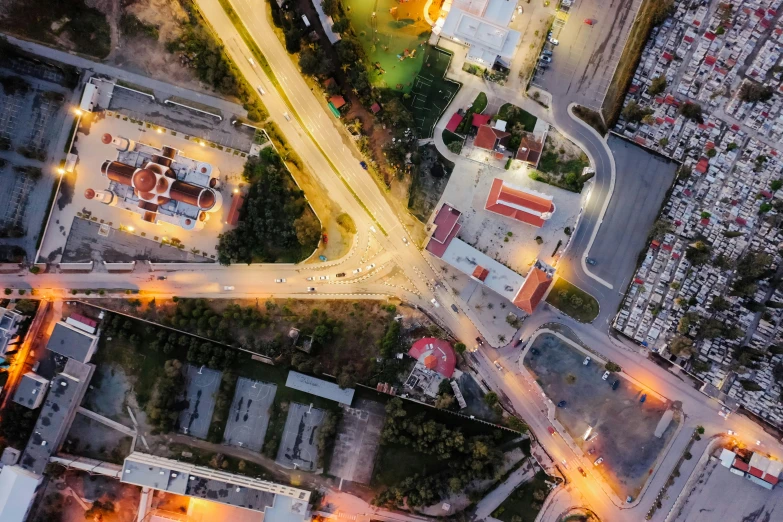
{"type": "Point", "coordinates": [106, 139]}
{"type": "Point", "coordinates": [89, 193]}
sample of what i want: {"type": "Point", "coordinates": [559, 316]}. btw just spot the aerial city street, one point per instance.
{"type": "Point", "coordinates": [391, 260]}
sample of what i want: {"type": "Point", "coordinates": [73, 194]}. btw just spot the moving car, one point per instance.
{"type": "Point", "coordinates": [551, 430]}
{"type": "Point", "coordinates": [454, 307]}
{"type": "Point", "coordinates": [590, 261]}
{"type": "Point", "coordinates": [644, 398]}
{"type": "Point", "coordinates": [437, 304]}
{"type": "Point", "coordinates": [731, 432]}
{"type": "Point", "coordinates": [598, 461]}
{"type": "Point", "coordinates": [605, 376]}
{"type": "Point", "coordinates": [261, 90]}
{"type": "Point", "coordinates": [405, 240]}
{"type": "Point", "coordinates": [564, 463]}
{"type": "Point", "coordinates": [287, 116]}
{"type": "Point", "coordinates": [370, 267]}
{"type": "Point", "coordinates": [586, 361]}
{"type": "Point", "coordinates": [310, 278]}
{"type": "Point", "coordinates": [357, 270]}
{"type": "Point", "coordinates": [341, 274]}
{"type": "Point", "coordinates": [161, 278]}
{"type": "Point", "coordinates": [582, 472]}
{"type": "Point", "coordinates": [229, 288]}
{"type": "Point", "coordinates": [310, 289]}
{"type": "Point", "coordinates": [498, 366]}
{"type": "Point", "coordinates": [324, 278]}
{"type": "Point", "coordinates": [363, 164]}
{"type": "Point", "coordinates": [561, 404]}
{"type": "Point", "coordinates": [280, 280]}
{"type": "Point", "coordinates": [253, 63]}
{"type": "Point", "coordinates": [616, 384]}
{"type": "Point", "coordinates": [589, 21]}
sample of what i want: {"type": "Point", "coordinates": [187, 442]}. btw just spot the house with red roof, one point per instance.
{"type": "Point", "coordinates": [530, 149]}
{"type": "Point", "coordinates": [375, 108]}
{"type": "Point", "coordinates": [519, 203]}
{"type": "Point", "coordinates": [702, 166]}
{"type": "Point", "coordinates": [436, 355]}
{"type": "Point", "coordinates": [454, 122]}
{"type": "Point", "coordinates": [446, 228]}
{"type": "Point", "coordinates": [480, 119]}
{"type": "Point", "coordinates": [489, 138]}
{"type": "Point", "coordinates": [337, 100]}
{"type": "Point", "coordinates": [233, 213]}
{"type": "Point", "coordinates": [535, 287]}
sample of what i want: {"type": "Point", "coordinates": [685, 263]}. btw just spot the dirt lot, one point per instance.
{"type": "Point", "coordinates": [623, 428]}
{"type": "Point", "coordinates": [91, 439]}
{"type": "Point", "coordinates": [429, 180]}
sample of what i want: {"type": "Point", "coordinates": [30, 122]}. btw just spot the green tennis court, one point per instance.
{"type": "Point", "coordinates": [394, 35]}
{"type": "Point", "coordinates": [432, 92]}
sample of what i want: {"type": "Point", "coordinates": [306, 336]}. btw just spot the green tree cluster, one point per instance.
{"type": "Point", "coordinates": [163, 407]}
{"type": "Point", "coordinates": [468, 458]}
{"type": "Point", "coordinates": [271, 226]}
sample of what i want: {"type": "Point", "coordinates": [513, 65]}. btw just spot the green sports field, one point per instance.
{"type": "Point", "coordinates": [432, 92]}
{"type": "Point", "coordinates": [394, 36]}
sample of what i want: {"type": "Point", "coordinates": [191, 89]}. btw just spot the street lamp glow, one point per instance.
{"type": "Point", "coordinates": [202, 144]}
{"type": "Point", "coordinates": [131, 229]}
{"type": "Point", "coordinates": [160, 131]}
{"type": "Point", "coordinates": [61, 171]}
{"type": "Point", "coordinates": [236, 191]}
{"type": "Point", "coordinates": [78, 112]}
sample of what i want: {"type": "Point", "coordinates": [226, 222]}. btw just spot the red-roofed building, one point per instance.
{"type": "Point", "coordinates": [640, 140]}
{"type": "Point", "coordinates": [454, 122]}
{"type": "Point", "coordinates": [755, 472]}
{"type": "Point", "coordinates": [659, 120]}
{"type": "Point", "coordinates": [702, 165]}
{"type": "Point", "coordinates": [233, 213]}
{"type": "Point", "coordinates": [671, 100]}
{"type": "Point", "coordinates": [638, 281]}
{"type": "Point", "coordinates": [337, 100]}
{"type": "Point", "coordinates": [705, 221]}
{"type": "Point", "coordinates": [740, 465]}
{"type": "Point", "coordinates": [522, 204]}
{"type": "Point", "coordinates": [446, 228]}
{"type": "Point", "coordinates": [435, 354]}
{"type": "Point", "coordinates": [669, 120]}
{"type": "Point", "coordinates": [480, 119]}
{"type": "Point", "coordinates": [709, 35]}
{"type": "Point", "coordinates": [767, 194]}
{"type": "Point", "coordinates": [667, 56]}
{"type": "Point", "coordinates": [735, 127]}
{"type": "Point", "coordinates": [688, 38]}
{"type": "Point", "coordinates": [709, 145]}
{"type": "Point", "coordinates": [489, 139]}
{"type": "Point", "coordinates": [84, 320]}
{"type": "Point", "coordinates": [676, 255]}
{"type": "Point", "coordinates": [535, 286]}
{"type": "Point", "coordinates": [480, 273]}
{"type": "Point", "coordinates": [668, 248]}
{"type": "Point", "coordinates": [741, 221]}
{"type": "Point", "coordinates": [710, 60]}
{"type": "Point", "coordinates": [375, 108]}
{"type": "Point", "coordinates": [655, 243]}
{"type": "Point", "coordinates": [530, 149]}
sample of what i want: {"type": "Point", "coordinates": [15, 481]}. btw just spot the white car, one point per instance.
{"type": "Point", "coordinates": [228, 288]}
{"type": "Point", "coordinates": [324, 278]}
{"type": "Point", "coordinates": [731, 432]}
{"type": "Point", "coordinates": [357, 270]}
{"type": "Point", "coordinates": [310, 289]}
{"type": "Point", "coordinates": [287, 116]}
{"type": "Point", "coordinates": [598, 461]}
{"type": "Point", "coordinates": [564, 463]}
{"type": "Point", "coordinates": [437, 304]}
{"type": "Point", "coordinates": [586, 361]}
{"type": "Point", "coordinates": [261, 90]}
{"type": "Point", "coordinates": [253, 63]}
{"type": "Point", "coordinates": [405, 240]}
{"type": "Point", "coordinates": [370, 267]}
{"type": "Point", "coordinates": [554, 41]}
{"type": "Point", "coordinates": [498, 366]}
{"type": "Point", "coordinates": [310, 278]}
{"type": "Point", "coordinates": [606, 376]}
{"type": "Point", "coordinates": [279, 280]}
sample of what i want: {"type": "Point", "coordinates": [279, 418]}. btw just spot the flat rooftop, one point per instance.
{"type": "Point", "coordinates": [499, 278]}
{"type": "Point", "coordinates": [190, 480]}
{"type": "Point", "coordinates": [319, 387]}
{"type": "Point", "coordinates": [71, 342]}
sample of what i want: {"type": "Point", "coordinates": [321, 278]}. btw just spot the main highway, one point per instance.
{"type": "Point", "coordinates": [312, 133]}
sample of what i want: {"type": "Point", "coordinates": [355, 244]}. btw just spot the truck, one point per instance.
{"type": "Point", "coordinates": [305, 21]}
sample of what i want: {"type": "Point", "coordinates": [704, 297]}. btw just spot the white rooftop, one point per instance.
{"type": "Point", "coordinates": [17, 491]}
{"type": "Point", "coordinates": [488, 37]}
{"type": "Point", "coordinates": [500, 278]}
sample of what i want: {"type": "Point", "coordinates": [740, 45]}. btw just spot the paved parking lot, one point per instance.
{"type": "Point", "coordinates": [249, 415]}
{"type": "Point", "coordinates": [357, 441]}
{"type": "Point", "coordinates": [299, 448]}
{"type": "Point", "coordinates": [585, 59]}
{"type": "Point", "coordinates": [202, 384]}
{"type": "Point", "coordinates": [623, 428]}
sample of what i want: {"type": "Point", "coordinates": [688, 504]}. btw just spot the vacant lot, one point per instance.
{"type": "Point", "coordinates": [623, 428]}
{"type": "Point", "coordinates": [358, 437]}
{"type": "Point", "coordinates": [89, 438]}
{"type": "Point", "coordinates": [429, 181]}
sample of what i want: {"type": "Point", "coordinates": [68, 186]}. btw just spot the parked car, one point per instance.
{"type": "Point", "coordinates": [589, 21]}
{"type": "Point", "coordinates": [280, 280]}
{"type": "Point", "coordinates": [605, 376]}
{"type": "Point", "coordinates": [616, 384]}
{"type": "Point", "coordinates": [363, 164]}
{"type": "Point", "coordinates": [598, 461]}
{"type": "Point", "coordinates": [590, 261]}
{"type": "Point", "coordinates": [228, 288]}
{"type": "Point", "coordinates": [628, 499]}
{"type": "Point", "coordinates": [161, 278]}
{"type": "Point", "coordinates": [546, 52]}
{"type": "Point", "coordinates": [644, 398]}
{"type": "Point", "coordinates": [287, 116]}
{"type": "Point", "coordinates": [586, 361]}
{"type": "Point", "coordinates": [731, 432]}
{"type": "Point", "coordinates": [554, 41]}
{"type": "Point", "coordinates": [564, 463]}
{"type": "Point", "coordinates": [370, 267]}
{"type": "Point", "coordinates": [582, 472]}
{"type": "Point", "coordinates": [310, 289]}
{"type": "Point", "coordinates": [546, 59]}
{"type": "Point", "coordinates": [454, 307]}
{"type": "Point", "coordinates": [326, 239]}
{"type": "Point", "coordinates": [561, 404]}
{"type": "Point", "coordinates": [310, 278]}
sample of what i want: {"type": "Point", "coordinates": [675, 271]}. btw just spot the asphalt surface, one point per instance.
{"type": "Point", "coordinates": [585, 59]}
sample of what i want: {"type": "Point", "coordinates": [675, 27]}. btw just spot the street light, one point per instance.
{"type": "Point", "coordinates": [61, 171]}
{"type": "Point", "coordinates": [78, 112]}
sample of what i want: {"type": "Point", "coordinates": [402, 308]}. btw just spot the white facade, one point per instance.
{"type": "Point", "coordinates": [17, 492]}
{"type": "Point", "coordinates": [482, 25]}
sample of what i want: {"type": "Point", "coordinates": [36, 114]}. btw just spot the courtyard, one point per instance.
{"type": "Point", "coordinates": [628, 434]}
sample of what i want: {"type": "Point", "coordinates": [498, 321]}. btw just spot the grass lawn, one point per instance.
{"type": "Point", "coordinates": [432, 92]}
{"type": "Point", "coordinates": [513, 114]}
{"type": "Point", "coordinates": [395, 463]}
{"type": "Point", "coordinates": [449, 137]}
{"type": "Point", "coordinates": [564, 297]}
{"type": "Point", "coordinates": [386, 34]}
{"type": "Point", "coordinates": [478, 105]}
{"type": "Point", "coordinates": [523, 503]}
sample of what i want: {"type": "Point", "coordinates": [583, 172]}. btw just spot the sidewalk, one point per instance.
{"type": "Point", "coordinates": [495, 498]}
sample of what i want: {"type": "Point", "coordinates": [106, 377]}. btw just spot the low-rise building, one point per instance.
{"type": "Point", "coordinates": [9, 326]}
{"type": "Point", "coordinates": [69, 341]}
{"type": "Point", "coordinates": [31, 390]}
{"type": "Point", "coordinates": [18, 488]}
